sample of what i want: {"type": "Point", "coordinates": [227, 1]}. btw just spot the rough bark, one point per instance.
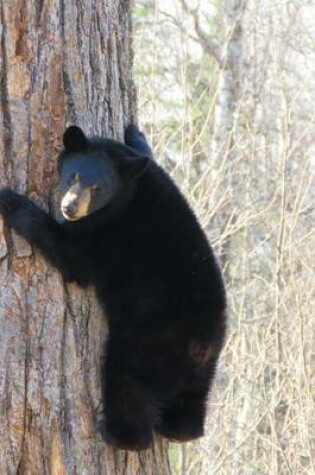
{"type": "Point", "coordinates": [62, 62]}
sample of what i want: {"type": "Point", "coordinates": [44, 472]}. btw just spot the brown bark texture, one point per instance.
{"type": "Point", "coordinates": [62, 62]}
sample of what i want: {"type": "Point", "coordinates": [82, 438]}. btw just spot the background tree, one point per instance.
{"type": "Point", "coordinates": [61, 63]}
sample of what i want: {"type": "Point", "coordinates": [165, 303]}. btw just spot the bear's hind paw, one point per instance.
{"type": "Point", "coordinates": [126, 439]}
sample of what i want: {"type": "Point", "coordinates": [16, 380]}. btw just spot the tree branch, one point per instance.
{"type": "Point", "coordinates": [209, 44]}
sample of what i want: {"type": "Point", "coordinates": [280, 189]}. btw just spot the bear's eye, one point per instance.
{"type": "Point", "coordinates": [73, 178]}
{"type": "Point", "coordinates": [96, 189]}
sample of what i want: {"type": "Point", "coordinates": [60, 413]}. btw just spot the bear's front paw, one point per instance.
{"type": "Point", "coordinates": [136, 139]}
{"type": "Point", "coordinates": [132, 132]}
{"type": "Point", "coordinates": [10, 202]}
{"type": "Point", "coordinates": [18, 211]}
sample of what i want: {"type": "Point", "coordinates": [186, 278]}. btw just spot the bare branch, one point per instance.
{"type": "Point", "coordinates": [208, 43]}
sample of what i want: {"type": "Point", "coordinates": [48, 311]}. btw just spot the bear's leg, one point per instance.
{"type": "Point", "coordinates": [183, 419]}
{"type": "Point", "coordinates": [42, 231]}
{"type": "Point", "coordinates": [130, 412]}
{"type": "Point", "coordinates": [35, 225]}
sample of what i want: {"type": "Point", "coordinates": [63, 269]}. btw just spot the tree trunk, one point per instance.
{"type": "Point", "coordinates": [229, 84]}
{"type": "Point", "coordinates": [224, 149]}
{"type": "Point", "coordinates": [61, 62]}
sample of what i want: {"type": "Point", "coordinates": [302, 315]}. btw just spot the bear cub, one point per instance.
{"type": "Point", "coordinates": [129, 232]}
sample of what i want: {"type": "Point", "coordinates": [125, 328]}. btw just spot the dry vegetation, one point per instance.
{"type": "Point", "coordinates": [226, 91]}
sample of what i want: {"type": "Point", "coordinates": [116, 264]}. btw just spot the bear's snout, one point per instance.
{"type": "Point", "coordinates": [69, 209]}
{"type": "Point", "coordinates": [76, 202]}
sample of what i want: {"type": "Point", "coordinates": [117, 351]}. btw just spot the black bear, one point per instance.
{"type": "Point", "coordinates": [129, 232]}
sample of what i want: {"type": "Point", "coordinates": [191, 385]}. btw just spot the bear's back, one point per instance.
{"type": "Point", "coordinates": [169, 266]}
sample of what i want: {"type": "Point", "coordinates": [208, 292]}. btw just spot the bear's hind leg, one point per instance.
{"type": "Point", "coordinates": [183, 419]}
{"type": "Point", "coordinates": [130, 413]}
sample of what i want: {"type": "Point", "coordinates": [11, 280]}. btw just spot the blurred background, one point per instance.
{"type": "Point", "coordinates": [225, 92]}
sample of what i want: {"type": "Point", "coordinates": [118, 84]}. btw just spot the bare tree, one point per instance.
{"type": "Point", "coordinates": [61, 62]}
{"type": "Point", "coordinates": [249, 133]}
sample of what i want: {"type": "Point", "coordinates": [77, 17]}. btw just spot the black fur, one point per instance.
{"type": "Point", "coordinates": [159, 284]}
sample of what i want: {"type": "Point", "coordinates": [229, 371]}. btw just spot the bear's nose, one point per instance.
{"type": "Point", "coordinates": [69, 209]}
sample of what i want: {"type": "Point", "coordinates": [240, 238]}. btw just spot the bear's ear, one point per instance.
{"type": "Point", "coordinates": [74, 139]}
{"type": "Point", "coordinates": [135, 164]}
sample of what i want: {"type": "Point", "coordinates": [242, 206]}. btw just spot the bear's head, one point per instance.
{"type": "Point", "coordinates": [95, 172]}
